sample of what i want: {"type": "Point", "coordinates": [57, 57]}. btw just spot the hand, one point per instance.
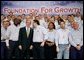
{"type": "Point", "coordinates": [78, 47]}
{"type": "Point", "coordinates": [42, 44]}
{"type": "Point", "coordinates": [8, 47]}
{"type": "Point", "coordinates": [20, 47]}
{"type": "Point", "coordinates": [31, 47]}
{"type": "Point", "coordinates": [67, 48]}
{"type": "Point", "coordinates": [57, 49]}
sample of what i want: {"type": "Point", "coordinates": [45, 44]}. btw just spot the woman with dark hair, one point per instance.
{"type": "Point", "coordinates": [50, 42]}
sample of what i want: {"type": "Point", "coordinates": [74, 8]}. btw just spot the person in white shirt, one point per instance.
{"type": "Point", "coordinates": [39, 37]}
{"type": "Point", "coordinates": [23, 21]}
{"type": "Point", "coordinates": [76, 49]}
{"type": "Point", "coordinates": [57, 26]}
{"type": "Point", "coordinates": [12, 37]}
{"type": "Point", "coordinates": [42, 21]}
{"type": "Point", "coordinates": [78, 17]}
{"type": "Point", "coordinates": [50, 47]}
{"type": "Point", "coordinates": [5, 24]}
{"type": "Point", "coordinates": [62, 41]}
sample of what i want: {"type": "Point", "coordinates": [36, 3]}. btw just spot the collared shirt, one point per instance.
{"type": "Point", "coordinates": [40, 34]}
{"type": "Point", "coordinates": [3, 33]}
{"type": "Point", "coordinates": [57, 26]}
{"type": "Point", "coordinates": [62, 36]}
{"type": "Point", "coordinates": [28, 30]}
{"type": "Point", "coordinates": [23, 23]}
{"type": "Point", "coordinates": [77, 38]}
{"type": "Point", "coordinates": [51, 35]}
{"type": "Point", "coordinates": [13, 32]}
{"type": "Point", "coordinates": [43, 23]}
{"type": "Point", "coordinates": [11, 22]}
{"type": "Point", "coordinates": [3, 36]}
{"type": "Point", "coordinates": [77, 19]}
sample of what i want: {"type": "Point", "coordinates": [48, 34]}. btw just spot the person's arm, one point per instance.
{"type": "Point", "coordinates": [81, 43]}
{"type": "Point", "coordinates": [44, 31]}
{"type": "Point", "coordinates": [71, 40]}
{"type": "Point", "coordinates": [32, 37]}
{"type": "Point", "coordinates": [31, 43]}
{"type": "Point", "coordinates": [57, 41]}
{"type": "Point", "coordinates": [20, 39]}
{"type": "Point", "coordinates": [8, 33]}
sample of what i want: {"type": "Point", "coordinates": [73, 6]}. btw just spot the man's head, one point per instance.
{"type": "Point", "coordinates": [70, 18]}
{"type": "Point", "coordinates": [17, 21]}
{"type": "Point", "coordinates": [75, 25]}
{"type": "Point", "coordinates": [28, 22]}
{"type": "Point", "coordinates": [6, 23]}
{"type": "Point", "coordinates": [51, 26]}
{"type": "Point", "coordinates": [19, 17]}
{"type": "Point", "coordinates": [62, 24]}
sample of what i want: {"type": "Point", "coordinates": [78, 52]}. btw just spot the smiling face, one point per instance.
{"type": "Point", "coordinates": [62, 25]}
{"type": "Point", "coordinates": [51, 26]}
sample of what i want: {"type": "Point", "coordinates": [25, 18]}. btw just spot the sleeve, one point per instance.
{"type": "Point", "coordinates": [19, 38]}
{"type": "Point", "coordinates": [71, 40]}
{"type": "Point", "coordinates": [32, 37]}
{"type": "Point", "coordinates": [8, 33]}
{"type": "Point", "coordinates": [45, 33]}
{"type": "Point", "coordinates": [8, 36]}
{"type": "Point", "coordinates": [7, 42]}
{"type": "Point", "coordinates": [1, 33]}
{"type": "Point", "coordinates": [81, 43]}
{"type": "Point", "coordinates": [56, 38]}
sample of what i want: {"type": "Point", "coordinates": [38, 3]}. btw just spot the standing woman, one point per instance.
{"type": "Point", "coordinates": [49, 44]}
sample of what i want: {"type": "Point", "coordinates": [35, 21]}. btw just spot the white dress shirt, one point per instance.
{"type": "Point", "coordinates": [40, 34]}
{"type": "Point", "coordinates": [62, 36]}
{"type": "Point", "coordinates": [51, 35]}
{"type": "Point", "coordinates": [57, 26]}
{"type": "Point", "coordinates": [13, 32]}
{"type": "Point", "coordinates": [3, 34]}
{"type": "Point", "coordinates": [43, 23]}
{"type": "Point", "coordinates": [11, 22]}
{"type": "Point", "coordinates": [77, 37]}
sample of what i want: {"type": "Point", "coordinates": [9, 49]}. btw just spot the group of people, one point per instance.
{"type": "Point", "coordinates": [41, 36]}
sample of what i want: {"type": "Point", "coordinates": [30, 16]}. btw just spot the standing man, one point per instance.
{"type": "Point", "coordinates": [39, 38]}
{"type": "Point", "coordinates": [62, 42]}
{"type": "Point", "coordinates": [25, 39]}
{"type": "Point", "coordinates": [76, 49]}
{"type": "Point", "coordinates": [4, 27]}
{"type": "Point", "coordinates": [12, 37]}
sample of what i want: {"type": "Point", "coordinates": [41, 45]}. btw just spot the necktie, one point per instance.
{"type": "Point", "coordinates": [28, 32]}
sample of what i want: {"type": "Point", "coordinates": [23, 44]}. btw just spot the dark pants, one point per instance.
{"type": "Point", "coordinates": [13, 50]}
{"type": "Point", "coordinates": [25, 53]}
{"type": "Point", "coordinates": [38, 51]}
{"type": "Point", "coordinates": [76, 54]}
{"type": "Point", "coordinates": [3, 50]}
{"type": "Point", "coordinates": [50, 51]}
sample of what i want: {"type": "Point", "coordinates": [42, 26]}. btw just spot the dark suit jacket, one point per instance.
{"type": "Point", "coordinates": [25, 41]}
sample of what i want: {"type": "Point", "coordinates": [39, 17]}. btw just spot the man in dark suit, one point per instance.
{"type": "Point", "coordinates": [25, 39]}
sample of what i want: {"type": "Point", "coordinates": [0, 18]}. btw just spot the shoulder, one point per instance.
{"type": "Point", "coordinates": [58, 30]}
{"type": "Point", "coordinates": [22, 28]}
{"type": "Point", "coordinates": [11, 27]}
